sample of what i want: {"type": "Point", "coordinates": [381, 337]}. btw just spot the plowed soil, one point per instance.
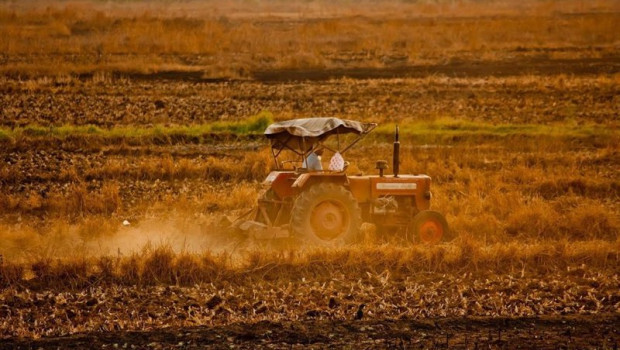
{"type": "Point", "coordinates": [568, 332]}
{"type": "Point", "coordinates": [576, 309]}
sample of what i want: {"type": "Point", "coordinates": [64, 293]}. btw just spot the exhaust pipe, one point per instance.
{"type": "Point", "coordinates": [396, 155]}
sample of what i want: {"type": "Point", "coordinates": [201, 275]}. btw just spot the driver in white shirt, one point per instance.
{"type": "Point", "coordinates": [313, 160]}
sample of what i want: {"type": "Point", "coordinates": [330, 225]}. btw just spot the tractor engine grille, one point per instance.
{"type": "Point", "coordinates": [385, 205]}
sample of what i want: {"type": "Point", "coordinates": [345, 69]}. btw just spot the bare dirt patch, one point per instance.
{"type": "Point", "coordinates": [591, 331]}
{"type": "Point", "coordinates": [455, 68]}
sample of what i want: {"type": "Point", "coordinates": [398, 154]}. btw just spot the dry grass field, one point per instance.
{"type": "Point", "coordinates": [128, 129]}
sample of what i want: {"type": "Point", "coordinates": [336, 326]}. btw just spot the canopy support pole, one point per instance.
{"type": "Point", "coordinates": [303, 155]}
{"type": "Point", "coordinates": [275, 157]}
{"type": "Point", "coordinates": [338, 138]}
{"type": "Point", "coordinates": [361, 136]}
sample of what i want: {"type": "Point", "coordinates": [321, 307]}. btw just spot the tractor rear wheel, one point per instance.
{"type": "Point", "coordinates": [326, 214]}
{"type": "Point", "coordinates": [430, 227]}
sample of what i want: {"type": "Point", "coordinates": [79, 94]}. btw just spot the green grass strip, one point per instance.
{"type": "Point", "coordinates": [459, 128]}
{"type": "Point", "coordinates": [431, 130]}
{"type": "Point", "coordinates": [253, 125]}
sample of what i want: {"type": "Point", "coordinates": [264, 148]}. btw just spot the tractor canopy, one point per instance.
{"type": "Point", "coordinates": [304, 135]}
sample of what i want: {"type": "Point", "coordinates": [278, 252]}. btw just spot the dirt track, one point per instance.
{"type": "Point", "coordinates": [577, 332]}
{"type": "Point", "coordinates": [454, 68]}
{"type": "Point", "coordinates": [457, 68]}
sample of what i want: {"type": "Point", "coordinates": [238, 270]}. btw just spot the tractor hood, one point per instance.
{"type": "Point", "coordinates": [291, 132]}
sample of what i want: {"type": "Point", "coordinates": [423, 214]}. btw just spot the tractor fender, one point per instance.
{"type": "Point", "coordinates": [311, 178]}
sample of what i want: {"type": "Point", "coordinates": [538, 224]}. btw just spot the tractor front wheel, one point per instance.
{"type": "Point", "coordinates": [430, 227]}
{"type": "Point", "coordinates": [326, 214]}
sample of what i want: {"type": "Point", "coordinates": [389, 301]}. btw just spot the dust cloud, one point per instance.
{"type": "Point", "coordinates": [24, 243]}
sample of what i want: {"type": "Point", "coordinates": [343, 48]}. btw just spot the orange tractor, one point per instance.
{"type": "Point", "coordinates": [327, 207]}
